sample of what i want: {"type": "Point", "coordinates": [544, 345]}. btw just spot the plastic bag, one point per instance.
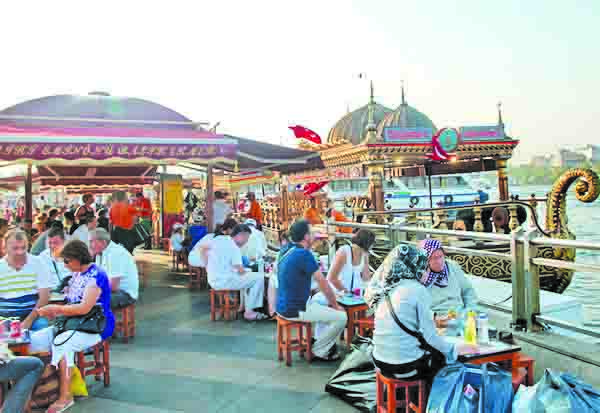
{"type": "Point", "coordinates": [556, 393]}
{"type": "Point", "coordinates": [471, 389]}
{"type": "Point", "coordinates": [78, 386]}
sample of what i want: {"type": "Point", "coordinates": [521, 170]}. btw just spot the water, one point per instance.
{"type": "Point", "coordinates": [584, 222]}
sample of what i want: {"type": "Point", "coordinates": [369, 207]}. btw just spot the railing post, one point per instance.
{"type": "Point", "coordinates": [519, 295]}
{"type": "Point", "coordinates": [532, 281]}
{"type": "Point", "coordinates": [478, 226]}
{"type": "Point", "coordinates": [331, 229]}
{"type": "Point", "coordinates": [513, 223]}
{"type": "Point", "coordinates": [411, 220]}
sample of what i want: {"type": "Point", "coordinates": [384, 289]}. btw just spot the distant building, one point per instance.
{"type": "Point", "coordinates": [568, 156]}
{"type": "Point", "coordinates": [572, 159]}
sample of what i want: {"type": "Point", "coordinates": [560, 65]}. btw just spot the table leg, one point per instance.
{"type": "Point", "coordinates": [350, 327]}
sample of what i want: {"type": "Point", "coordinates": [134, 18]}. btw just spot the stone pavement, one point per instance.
{"type": "Point", "coordinates": [180, 361]}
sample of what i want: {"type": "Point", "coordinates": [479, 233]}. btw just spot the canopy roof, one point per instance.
{"type": "Point", "coordinates": [46, 145]}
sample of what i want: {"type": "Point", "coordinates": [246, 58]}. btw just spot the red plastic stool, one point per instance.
{"type": "Point", "coordinates": [99, 365]}
{"type": "Point", "coordinates": [198, 278]}
{"type": "Point", "coordinates": [526, 362]}
{"type": "Point", "coordinates": [224, 303]}
{"type": "Point", "coordinates": [386, 385]}
{"type": "Point", "coordinates": [125, 322]}
{"type": "Point", "coordinates": [293, 336]}
{"type": "Point", "coordinates": [366, 326]}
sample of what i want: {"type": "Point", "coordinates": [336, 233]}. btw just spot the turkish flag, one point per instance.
{"type": "Point", "coordinates": [313, 187]}
{"type": "Point", "coordinates": [304, 133]}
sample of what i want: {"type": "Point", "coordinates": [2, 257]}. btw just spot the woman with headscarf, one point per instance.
{"type": "Point", "coordinates": [405, 339]}
{"type": "Point", "coordinates": [450, 287]}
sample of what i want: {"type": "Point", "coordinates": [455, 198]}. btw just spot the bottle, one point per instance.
{"type": "Point", "coordinates": [471, 329]}
{"type": "Point", "coordinates": [482, 326]}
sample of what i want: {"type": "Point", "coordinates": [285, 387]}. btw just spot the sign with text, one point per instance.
{"type": "Point", "coordinates": [407, 135]}
{"type": "Point", "coordinates": [481, 133]}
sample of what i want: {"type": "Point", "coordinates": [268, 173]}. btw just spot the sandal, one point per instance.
{"type": "Point", "coordinates": [258, 317]}
{"type": "Point", "coordinates": [60, 407]}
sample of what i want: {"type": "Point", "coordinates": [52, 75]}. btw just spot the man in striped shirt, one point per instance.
{"type": "Point", "coordinates": [25, 282]}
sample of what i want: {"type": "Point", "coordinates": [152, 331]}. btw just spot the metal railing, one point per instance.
{"type": "Point", "coordinates": [525, 278]}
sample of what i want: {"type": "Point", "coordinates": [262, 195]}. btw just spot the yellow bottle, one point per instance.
{"type": "Point", "coordinates": [471, 329]}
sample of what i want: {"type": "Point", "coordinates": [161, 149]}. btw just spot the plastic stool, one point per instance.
{"type": "Point", "coordinates": [386, 385]}
{"type": "Point", "coordinates": [287, 341]}
{"type": "Point", "coordinates": [225, 303]}
{"type": "Point", "coordinates": [99, 365]}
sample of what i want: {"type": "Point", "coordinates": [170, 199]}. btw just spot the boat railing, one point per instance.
{"type": "Point", "coordinates": [439, 217]}
{"type": "Point", "coordinates": [522, 254]}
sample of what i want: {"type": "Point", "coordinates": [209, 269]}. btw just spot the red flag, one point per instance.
{"type": "Point", "coordinates": [313, 187]}
{"type": "Point", "coordinates": [304, 133]}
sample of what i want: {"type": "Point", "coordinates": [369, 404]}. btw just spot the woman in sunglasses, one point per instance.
{"type": "Point", "coordinates": [88, 286]}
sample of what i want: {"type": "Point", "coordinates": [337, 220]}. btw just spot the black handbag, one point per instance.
{"type": "Point", "coordinates": [93, 322]}
{"type": "Point", "coordinates": [437, 358]}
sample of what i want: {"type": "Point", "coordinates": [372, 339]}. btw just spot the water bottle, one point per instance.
{"type": "Point", "coordinates": [483, 327]}
{"type": "Point", "coordinates": [471, 329]}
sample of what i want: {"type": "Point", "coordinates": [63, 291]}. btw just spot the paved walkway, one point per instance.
{"type": "Point", "coordinates": [180, 361]}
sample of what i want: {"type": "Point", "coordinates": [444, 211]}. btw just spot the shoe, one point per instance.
{"type": "Point", "coordinates": [60, 407]}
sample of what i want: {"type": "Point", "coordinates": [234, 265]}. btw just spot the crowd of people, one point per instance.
{"type": "Point", "coordinates": [84, 253]}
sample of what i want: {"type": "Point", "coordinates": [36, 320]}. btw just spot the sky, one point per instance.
{"type": "Point", "coordinates": [258, 67]}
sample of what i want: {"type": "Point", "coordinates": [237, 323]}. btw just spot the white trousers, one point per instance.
{"type": "Point", "coordinates": [251, 283]}
{"type": "Point", "coordinates": [43, 340]}
{"type": "Point", "coordinates": [331, 325]}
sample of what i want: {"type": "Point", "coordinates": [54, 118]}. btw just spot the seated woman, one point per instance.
{"type": "Point", "coordinates": [273, 284]}
{"type": "Point", "coordinates": [177, 238]}
{"type": "Point", "coordinates": [350, 269]}
{"type": "Point", "coordinates": [400, 286]}
{"type": "Point", "coordinates": [88, 286]}
{"type": "Point", "coordinates": [450, 287]}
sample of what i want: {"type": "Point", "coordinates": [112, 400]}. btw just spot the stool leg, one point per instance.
{"type": "Point", "coordinates": [125, 314]}
{"type": "Point", "coordinates": [212, 305]}
{"type": "Point", "coordinates": [391, 399]}
{"type": "Point", "coordinates": [97, 362]}
{"type": "Point", "coordinates": [308, 355]}
{"type": "Point", "coordinates": [288, 344]}
{"type": "Point", "coordinates": [279, 342]}
{"type": "Point", "coordinates": [106, 363]}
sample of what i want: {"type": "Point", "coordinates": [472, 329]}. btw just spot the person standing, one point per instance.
{"type": "Point", "coordinates": [145, 212]}
{"type": "Point", "coordinates": [221, 210]}
{"type": "Point", "coordinates": [297, 267]}
{"type": "Point", "coordinates": [86, 208]}
{"type": "Point", "coordinates": [312, 214]}
{"type": "Point", "coordinates": [122, 219]}
{"type": "Point", "coordinates": [254, 210]}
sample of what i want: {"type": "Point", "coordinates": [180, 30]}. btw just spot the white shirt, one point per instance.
{"type": "Point", "coordinates": [82, 233]}
{"type": "Point", "coordinates": [223, 256]}
{"type": "Point", "coordinates": [220, 211]}
{"type": "Point", "coordinates": [176, 241]}
{"type": "Point", "coordinates": [195, 258]}
{"type": "Point", "coordinates": [350, 275]}
{"type": "Point", "coordinates": [119, 263]}
{"type": "Point", "coordinates": [57, 268]}
{"type": "Point", "coordinates": [256, 247]}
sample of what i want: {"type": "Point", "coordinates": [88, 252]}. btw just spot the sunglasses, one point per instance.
{"type": "Point", "coordinates": [66, 260]}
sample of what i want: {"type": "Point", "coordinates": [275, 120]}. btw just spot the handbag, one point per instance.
{"type": "Point", "coordinates": [93, 322]}
{"type": "Point", "coordinates": [437, 358]}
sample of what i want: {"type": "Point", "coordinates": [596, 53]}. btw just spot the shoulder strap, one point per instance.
{"type": "Point", "coordinates": [284, 256]}
{"type": "Point", "coordinates": [424, 344]}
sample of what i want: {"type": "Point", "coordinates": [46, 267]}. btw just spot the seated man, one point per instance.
{"type": "Point", "coordinates": [40, 244]}
{"type": "Point", "coordinates": [256, 247]}
{"type": "Point", "coordinates": [87, 223]}
{"type": "Point", "coordinates": [226, 272]}
{"type": "Point", "coordinates": [51, 256]}
{"type": "Point", "coordinates": [120, 267]}
{"type": "Point", "coordinates": [296, 268]}
{"type": "Point", "coordinates": [25, 282]}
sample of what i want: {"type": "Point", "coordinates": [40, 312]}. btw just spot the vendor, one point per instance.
{"type": "Point", "coordinates": [339, 217]}
{"type": "Point", "coordinates": [312, 214]}
{"type": "Point", "coordinates": [450, 287]}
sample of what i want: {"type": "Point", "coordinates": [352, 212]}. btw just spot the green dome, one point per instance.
{"type": "Point", "coordinates": [353, 126]}
{"type": "Point", "coordinates": [405, 116]}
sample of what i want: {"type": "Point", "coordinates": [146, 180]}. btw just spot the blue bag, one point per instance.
{"type": "Point", "coordinates": [471, 389]}
{"type": "Point", "coordinates": [557, 393]}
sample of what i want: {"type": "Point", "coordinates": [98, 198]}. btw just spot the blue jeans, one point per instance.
{"type": "Point", "coordinates": [25, 372]}
{"type": "Point", "coordinates": [39, 324]}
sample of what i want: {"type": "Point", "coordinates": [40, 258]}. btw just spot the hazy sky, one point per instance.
{"type": "Point", "coordinates": [259, 66]}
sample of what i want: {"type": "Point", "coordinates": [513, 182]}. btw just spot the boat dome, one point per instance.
{"type": "Point", "coordinates": [96, 105]}
{"type": "Point", "coordinates": [353, 126]}
{"type": "Point", "coordinates": [405, 116]}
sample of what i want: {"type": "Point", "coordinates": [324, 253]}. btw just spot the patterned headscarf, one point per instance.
{"type": "Point", "coordinates": [440, 279]}
{"type": "Point", "coordinates": [404, 262]}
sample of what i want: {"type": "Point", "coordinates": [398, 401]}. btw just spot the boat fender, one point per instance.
{"type": "Point", "coordinates": [448, 199]}
{"type": "Point", "coordinates": [414, 200]}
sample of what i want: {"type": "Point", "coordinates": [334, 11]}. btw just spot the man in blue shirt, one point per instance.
{"type": "Point", "coordinates": [296, 268]}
